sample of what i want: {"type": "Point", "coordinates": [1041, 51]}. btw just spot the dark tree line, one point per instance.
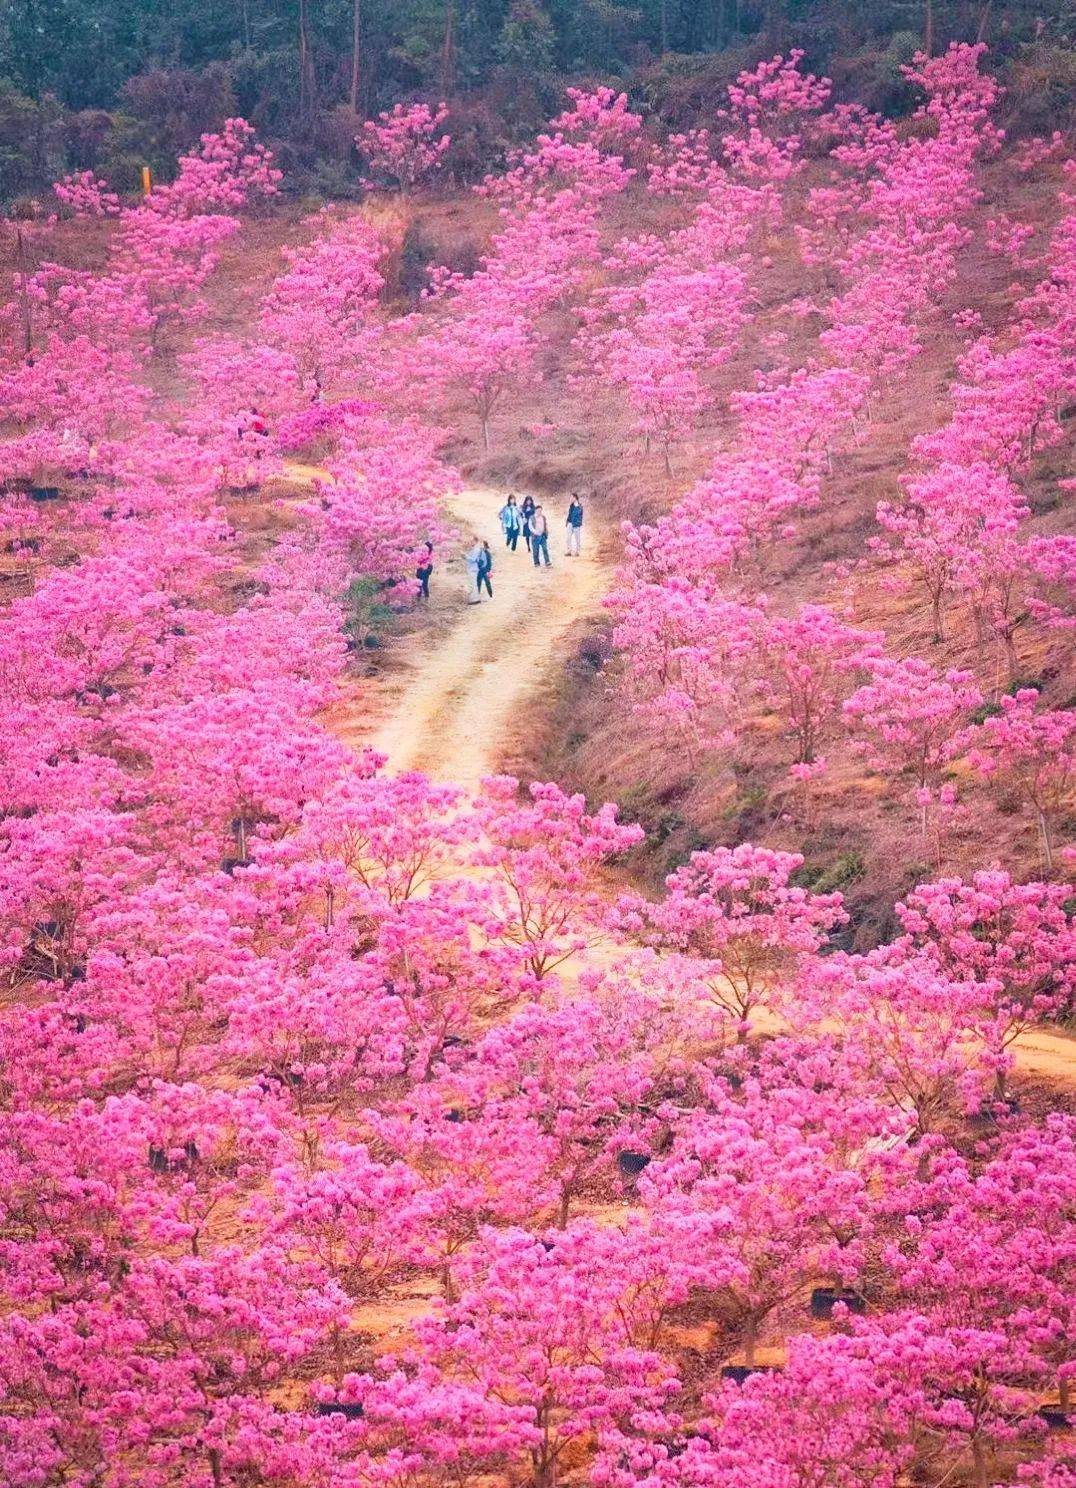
{"type": "Point", "coordinates": [96, 82]}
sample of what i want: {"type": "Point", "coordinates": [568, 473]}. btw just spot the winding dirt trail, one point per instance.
{"type": "Point", "coordinates": [450, 705]}
{"type": "Point", "coordinates": [451, 709]}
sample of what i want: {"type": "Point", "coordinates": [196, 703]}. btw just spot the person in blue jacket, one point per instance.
{"type": "Point", "coordinates": [511, 523]}
{"type": "Point", "coordinates": [485, 568]}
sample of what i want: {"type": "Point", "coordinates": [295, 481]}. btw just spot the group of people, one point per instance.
{"type": "Point", "coordinates": [527, 520]}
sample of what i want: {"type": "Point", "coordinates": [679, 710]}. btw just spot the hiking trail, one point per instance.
{"type": "Point", "coordinates": [451, 704]}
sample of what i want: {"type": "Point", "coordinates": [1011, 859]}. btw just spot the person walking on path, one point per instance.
{"type": "Point", "coordinates": [485, 568]}
{"type": "Point", "coordinates": [527, 513]}
{"type": "Point", "coordinates": [540, 538]}
{"type": "Point", "coordinates": [511, 523]}
{"type": "Point", "coordinates": [573, 535]}
{"type": "Point", "coordinates": [473, 558]}
{"type": "Point", "coordinates": [423, 572]}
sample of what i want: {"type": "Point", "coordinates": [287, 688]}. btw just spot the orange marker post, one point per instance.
{"type": "Point", "coordinates": [147, 180]}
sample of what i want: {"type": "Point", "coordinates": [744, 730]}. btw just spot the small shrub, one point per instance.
{"type": "Point", "coordinates": [366, 613]}
{"type": "Point", "coordinates": [987, 710]}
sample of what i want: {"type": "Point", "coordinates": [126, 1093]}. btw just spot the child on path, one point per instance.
{"type": "Point", "coordinates": [485, 568]}
{"type": "Point", "coordinates": [573, 536]}
{"type": "Point", "coordinates": [540, 538]}
{"type": "Point", "coordinates": [511, 523]}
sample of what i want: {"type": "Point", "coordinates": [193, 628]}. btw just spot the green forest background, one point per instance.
{"type": "Point", "coordinates": [110, 84]}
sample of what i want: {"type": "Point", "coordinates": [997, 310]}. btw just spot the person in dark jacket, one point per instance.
{"type": "Point", "coordinates": [485, 568]}
{"type": "Point", "coordinates": [573, 535]}
{"type": "Point", "coordinates": [527, 513]}
{"type": "Point", "coordinates": [423, 572]}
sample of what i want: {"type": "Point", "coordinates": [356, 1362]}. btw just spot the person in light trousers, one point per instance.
{"type": "Point", "coordinates": [573, 527]}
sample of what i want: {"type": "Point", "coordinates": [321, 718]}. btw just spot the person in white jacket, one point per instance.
{"type": "Point", "coordinates": [540, 537]}
{"type": "Point", "coordinates": [473, 559]}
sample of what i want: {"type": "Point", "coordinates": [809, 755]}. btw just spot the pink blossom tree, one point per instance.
{"type": "Point", "coordinates": [403, 143]}
{"type": "Point", "coordinates": [810, 657]}
{"type": "Point", "coordinates": [737, 915]}
{"type": "Point", "coordinates": [823, 1418]}
{"type": "Point", "coordinates": [86, 194]}
{"type": "Point", "coordinates": [543, 856]}
{"type": "Point", "coordinates": [1032, 751]}
{"type": "Point", "coordinates": [907, 715]}
{"type": "Point", "coordinates": [320, 310]}
{"type": "Point", "coordinates": [1015, 939]}
{"type": "Point", "coordinates": [537, 1338]}
{"type": "Point", "coordinates": [917, 1036]}
{"type": "Point", "coordinates": [761, 1205]}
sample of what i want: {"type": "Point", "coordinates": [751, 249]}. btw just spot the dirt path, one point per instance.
{"type": "Point", "coordinates": [1048, 1056]}
{"type": "Point", "coordinates": [451, 709]}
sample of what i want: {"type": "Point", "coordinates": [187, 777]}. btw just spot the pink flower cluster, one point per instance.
{"type": "Point", "coordinates": [404, 144]}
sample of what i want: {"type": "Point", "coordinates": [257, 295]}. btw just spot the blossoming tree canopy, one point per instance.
{"type": "Point", "coordinates": [357, 1128]}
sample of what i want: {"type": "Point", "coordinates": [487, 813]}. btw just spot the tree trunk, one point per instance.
{"type": "Point", "coordinates": [564, 1208]}
{"type": "Point", "coordinates": [448, 51]}
{"type": "Point", "coordinates": [984, 21]}
{"type": "Point", "coordinates": [24, 297]}
{"type": "Point", "coordinates": [928, 28]}
{"type": "Point", "coordinates": [749, 1344]}
{"type": "Point", "coordinates": [664, 26]}
{"type": "Point", "coordinates": [1064, 1393]}
{"type": "Point", "coordinates": [306, 63]}
{"type": "Point", "coordinates": [978, 1456]}
{"type": "Point", "coordinates": [356, 54]}
{"type": "Point", "coordinates": [1012, 661]}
